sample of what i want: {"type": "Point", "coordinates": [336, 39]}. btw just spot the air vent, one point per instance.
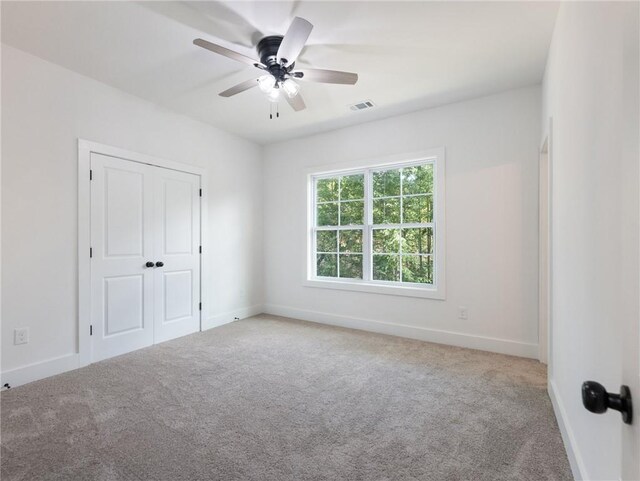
{"type": "Point", "coordinates": [365, 104]}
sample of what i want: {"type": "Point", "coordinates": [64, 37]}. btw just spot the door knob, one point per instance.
{"type": "Point", "coordinates": [597, 400]}
{"type": "Point", "coordinates": [159, 264]}
{"type": "Point", "coordinates": [149, 264]}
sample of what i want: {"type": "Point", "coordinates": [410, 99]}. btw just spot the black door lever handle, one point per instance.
{"type": "Point", "coordinates": [597, 400]}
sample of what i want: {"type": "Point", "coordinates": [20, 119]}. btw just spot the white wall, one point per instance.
{"type": "Point", "coordinates": [491, 214]}
{"type": "Point", "coordinates": [595, 220]}
{"type": "Point", "coordinates": [45, 110]}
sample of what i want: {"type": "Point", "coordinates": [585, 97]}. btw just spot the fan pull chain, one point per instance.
{"type": "Point", "coordinates": [271, 110]}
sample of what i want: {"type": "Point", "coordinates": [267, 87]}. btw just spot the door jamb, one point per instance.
{"type": "Point", "coordinates": [545, 344]}
{"type": "Point", "coordinates": [85, 148]}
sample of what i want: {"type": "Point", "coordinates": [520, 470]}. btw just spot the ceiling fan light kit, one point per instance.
{"type": "Point", "coordinates": [278, 55]}
{"type": "Point", "coordinates": [274, 94]}
{"type": "Point", "coordinates": [290, 88]}
{"type": "Point", "coordinates": [266, 83]}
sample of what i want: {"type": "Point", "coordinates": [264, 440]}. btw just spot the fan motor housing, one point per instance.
{"type": "Point", "coordinates": [268, 49]}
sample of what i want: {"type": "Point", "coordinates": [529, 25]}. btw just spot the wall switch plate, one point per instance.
{"type": "Point", "coordinates": [21, 336]}
{"type": "Point", "coordinates": [463, 313]}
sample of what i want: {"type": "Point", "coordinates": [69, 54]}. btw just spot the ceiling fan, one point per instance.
{"type": "Point", "coordinates": [278, 55]}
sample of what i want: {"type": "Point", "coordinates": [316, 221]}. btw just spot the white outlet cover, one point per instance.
{"type": "Point", "coordinates": [463, 313]}
{"type": "Point", "coordinates": [21, 336]}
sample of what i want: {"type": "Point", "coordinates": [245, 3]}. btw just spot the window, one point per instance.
{"type": "Point", "coordinates": [340, 226]}
{"type": "Point", "coordinates": [377, 228]}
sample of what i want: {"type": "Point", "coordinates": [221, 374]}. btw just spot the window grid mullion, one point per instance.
{"type": "Point", "coordinates": [401, 219]}
{"type": "Point", "coordinates": [410, 225]}
{"type": "Point", "coordinates": [325, 202]}
{"type": "Point", "coordinates": [339, 223]}
{"type": "Point", "coordinates": [341, 227]}
{"type": "Point", "coordinates": [385, 197]}
{"type": "Point", "coordinates": [367, 258]}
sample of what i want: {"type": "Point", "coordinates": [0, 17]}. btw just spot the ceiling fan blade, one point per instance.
{"type": "Point", "coordinates": [226, 52]}
{"type": "Point", "coordinates": [327, 76]}
{"type": "Point", "coordinates": [294, 40]}
{"type": "Point", "coordinates": [241, 87]}
{"type": "Point", "coordinates": [297, 102]}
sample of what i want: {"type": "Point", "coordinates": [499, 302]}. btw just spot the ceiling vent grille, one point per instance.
{"type": "Point", "coordinates": [365, 104]}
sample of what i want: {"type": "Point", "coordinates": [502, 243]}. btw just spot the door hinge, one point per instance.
{"type": "Point", "coordinates": [200, 306]}
{"type": "Point", "coordinates": [90, 251]}
{"type": "Point", "coordinates": [90, 174]}
{"type": "Point", "coordinates": [200, 249]}
{"type": "Point", "coordinates": [91, 330]}
{"type": "Point", "coordinates": [200, 192]}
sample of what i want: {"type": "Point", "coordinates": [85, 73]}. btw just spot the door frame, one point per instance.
{"type": "Point", "coordinates": [545, 332]}
{"type": "Point", "coordinates": [85, 149]}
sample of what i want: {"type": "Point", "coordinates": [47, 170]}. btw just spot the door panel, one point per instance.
{"type": "Point", "coordinates": [122, 227]}
{"type": "Point", "coordinates": [178, 304]}
{"type": "Point", "coordinates": [178, 198]}
{"type": "Point", "coordinates": [177, 282]}
{"type": "Point", "coordinates": [123, 304]}
{"type": "Point", "coordinates": [124, 212]}
{"type": "Point", "coordinates": [630, 459]}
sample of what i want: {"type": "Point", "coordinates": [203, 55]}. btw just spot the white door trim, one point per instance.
{"type": "Point", "coordinates": [545, 332]}
{"type": "Point", "coordinates": [85, 148]}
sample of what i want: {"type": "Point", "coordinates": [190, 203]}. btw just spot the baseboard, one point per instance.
{"type": "Point", "coordinates": [40, 370]}
{"type": "Point", "coordinates": [568, 438]}
{"type": "Point", "coordinates": [51, 367]}
{"type": "Point", "coordinates": [502, 346]}
{"type": "Point", "coordinates": [230, 316]}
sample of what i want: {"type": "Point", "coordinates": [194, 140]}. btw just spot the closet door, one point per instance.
{"type": "Point", "coordinates": [177, 254]}
{"type": "Point", "coordinates": [122, 238]}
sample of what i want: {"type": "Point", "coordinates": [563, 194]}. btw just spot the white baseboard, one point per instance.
{"type": "Point", "coordinates": [575, 459]}
{"type": "Point", "coordinates": [51, 367]}
{"type": "Point", "coordinates": [230, 316]}
{"type": "Point", "coordinates": [40, 370]}
{"type": "Point", "coordinates": [502, 346]}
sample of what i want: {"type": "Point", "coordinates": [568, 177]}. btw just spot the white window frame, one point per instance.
{"type": "Point", "coordinates": [429, 291]}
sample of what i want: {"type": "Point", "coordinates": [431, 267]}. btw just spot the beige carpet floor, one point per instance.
{"type": "Point", "coordinates": [275, 399]}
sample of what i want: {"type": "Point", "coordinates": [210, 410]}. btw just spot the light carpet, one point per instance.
{"type": "Point", "coordinates": [270, 398]}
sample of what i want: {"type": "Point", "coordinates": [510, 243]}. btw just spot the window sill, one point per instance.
{"type": "Point", "coordinates": [407, 291]}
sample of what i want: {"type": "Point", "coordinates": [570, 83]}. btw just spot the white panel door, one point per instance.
{"type": "Point", "coordinates": [122, 228]}
{"type": "Point", "coordinates": [177, 254]}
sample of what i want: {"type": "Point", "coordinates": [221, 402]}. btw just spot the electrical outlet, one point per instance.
{"type": "Point", "coordinates": [463, 313]}
{"type": "Point", "coordinates": [21, 336]}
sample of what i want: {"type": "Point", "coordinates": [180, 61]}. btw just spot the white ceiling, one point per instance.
{"type": "Point", "coordinates": [409, 55]}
